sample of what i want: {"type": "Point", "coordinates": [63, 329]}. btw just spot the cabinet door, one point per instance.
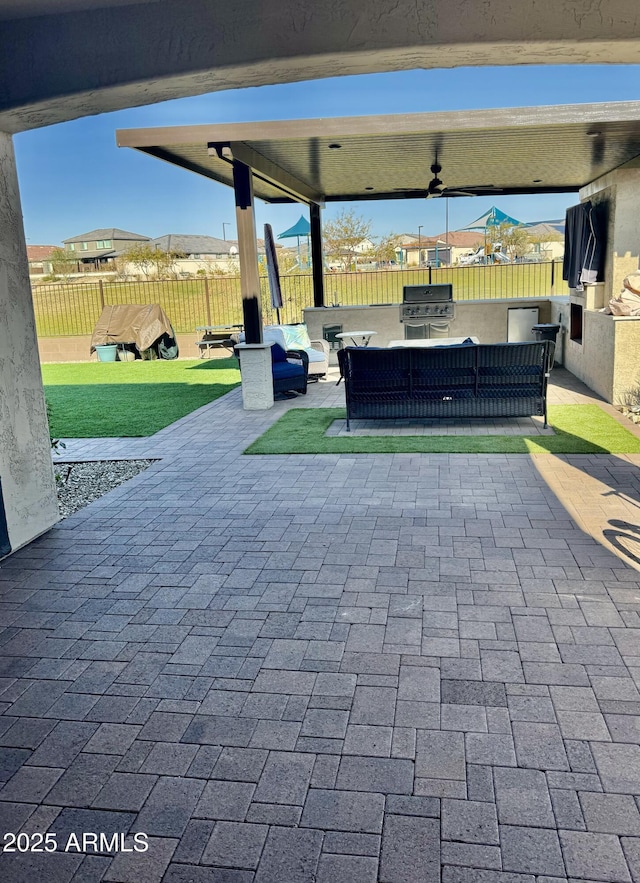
{"type": "Point", "coordinates": [520, 321]}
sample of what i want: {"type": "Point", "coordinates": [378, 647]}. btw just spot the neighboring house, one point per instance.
{"type": "Point", "coordinates": [99, 247]}
{"type": "Point", "coordinates": [445, 249]}
{"type": "Point", "coordinates": [39, 259]}
{"type": "Point", "coordinates": [349, 257]}
{"type": "Point", "coordinates": [549, 236]}
{"type": "Point", "coordinates": [199, 254]}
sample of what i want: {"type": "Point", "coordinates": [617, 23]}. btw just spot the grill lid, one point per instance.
{"type": "Point", "coordinates": [427, 294]}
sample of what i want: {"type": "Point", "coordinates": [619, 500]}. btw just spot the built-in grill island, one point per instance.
{"type": "Point", "coordinates": [426, 310]}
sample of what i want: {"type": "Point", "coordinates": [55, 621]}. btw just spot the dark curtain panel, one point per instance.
{"type": "Point", "coordinates": [584, 244]}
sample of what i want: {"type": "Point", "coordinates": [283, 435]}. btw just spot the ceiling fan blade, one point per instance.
{"type": "Point", "coordinates": [411, 192]}
{"type": "Point", "coordinates": [477, 187]}
{"type": "Point", "coordinates": [470, 191]}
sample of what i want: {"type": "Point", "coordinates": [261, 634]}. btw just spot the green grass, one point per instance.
{"type": "Point", "coordinates": [111, 399]}
{"type": "Point", "coordinates": [579, 429]}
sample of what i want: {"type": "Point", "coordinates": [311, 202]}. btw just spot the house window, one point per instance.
{"type": "Point", "coordinates": [103, 243]}
{"type": "Point", "coordinates": [72, 246]}
{"type": "Point", "coordinates": [84, 246]}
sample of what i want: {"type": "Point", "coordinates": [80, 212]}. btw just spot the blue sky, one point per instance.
{"type": "Point", "coordinates": [74, 179]}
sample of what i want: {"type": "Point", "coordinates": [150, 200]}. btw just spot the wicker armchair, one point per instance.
{"type": "Point", "coordinates": [290, 370]}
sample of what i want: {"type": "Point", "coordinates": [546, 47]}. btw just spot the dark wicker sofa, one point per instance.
{"type": "Point", "coordinates": [468, 380]}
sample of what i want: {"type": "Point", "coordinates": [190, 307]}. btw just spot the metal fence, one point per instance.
{"type": "Point", "coordinates": [73, 308]}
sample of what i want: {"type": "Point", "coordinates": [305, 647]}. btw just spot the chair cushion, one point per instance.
{"type": "Point", "coordinates": [274, 332]}
{"type": "Point", "coordinates": [314, 355]}
{"type": "Point", "coordinates": [281, 370]}
{"type": "Point", "coordinates": [296, 337]}
{"type": "Point", "coordinates": [278, 354]}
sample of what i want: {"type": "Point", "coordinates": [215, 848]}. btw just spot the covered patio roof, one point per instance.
{"type": "Point", "coordinates": [514, 151]}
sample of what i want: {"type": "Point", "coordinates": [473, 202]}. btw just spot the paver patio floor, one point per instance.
{"type": "Point", "coordinates": [359, 668]}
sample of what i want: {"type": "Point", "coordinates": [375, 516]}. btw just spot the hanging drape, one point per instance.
{"type": "Point", "coordinates": [584, 245]}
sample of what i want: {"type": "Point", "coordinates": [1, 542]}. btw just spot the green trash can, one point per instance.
{"type": "Point", "coordinates": [106, 353]}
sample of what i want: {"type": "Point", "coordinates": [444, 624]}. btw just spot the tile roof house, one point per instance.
{"type": "Point", "coordinates": [450, 247]}
{"type": "Point", "coordinates": [195, 246]}
{"type": "Point", "coordinates": [100, 246]}
{"type": "Point", "coordinates": [194, 254]}
{"type": "Point", "coordinates": [38, 257]}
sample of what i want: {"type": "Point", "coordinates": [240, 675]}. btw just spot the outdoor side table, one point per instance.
{"type": "Point", "coordinates": [354, 336]}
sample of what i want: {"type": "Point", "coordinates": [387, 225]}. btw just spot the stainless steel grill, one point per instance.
{"type": "Point", "coordinates": [427, 302]}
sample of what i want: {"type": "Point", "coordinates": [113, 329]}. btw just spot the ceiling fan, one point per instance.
{"type": "Point", "coordinates": [436, 187]}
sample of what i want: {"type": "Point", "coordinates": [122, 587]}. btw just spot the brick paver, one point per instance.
{"type": "Point", "coordinates": [377, 668]}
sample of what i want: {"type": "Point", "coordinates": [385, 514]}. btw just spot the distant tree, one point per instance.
{"type": "Point", "coordinates": [515, 240]}
{"type": "Point", "coordinates": [384, 248]}
{"type": "Point", "coordinates": [287, 261]}
{"type": "Point", "coordinates": [151, 261]}
{"type": "Point", "coordinates": [64, 261]}
{"type": "Point", "coordinates": [342, 236]}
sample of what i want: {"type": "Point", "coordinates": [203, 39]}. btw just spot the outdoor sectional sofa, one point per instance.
{"type": "Point", "coordinates": [468, 380]}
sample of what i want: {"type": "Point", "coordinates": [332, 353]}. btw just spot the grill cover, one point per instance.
{"type": "Point", "coordinates": [141, 324]}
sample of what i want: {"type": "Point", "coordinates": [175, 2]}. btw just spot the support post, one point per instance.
{"type": "Point", "coordinates": [247, 252]}
{"type": "Point", "coordinates": [207, 300]}
{"type": "Point", "coordinates": [28, 485]}
{"type": "Point", "coordinates": [316, 255]}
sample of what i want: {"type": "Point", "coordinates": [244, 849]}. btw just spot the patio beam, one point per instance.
{"type": "Point", "coordinates": [317, 263]}
{"type": "Point", "coordinates": [293, 188]}
{"type": "Point", "coordinates": [247, 252]}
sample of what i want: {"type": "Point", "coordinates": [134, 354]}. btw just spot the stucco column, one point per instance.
{"type": "Point", "coordinates": [26, 472]}
{"type": "Point", "coordinates": [620, 189]}
{"type": "Point", "coordinates": [257, 378]}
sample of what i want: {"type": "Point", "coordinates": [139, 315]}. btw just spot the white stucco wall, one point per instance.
{"type": "Point", "coordinates": [485, 319]}
{"type": "Point", "coordinates": [626, 374]}
{"type": "Point", "coordinates": [28, 485]}
{"type": "Point", "coordinates": [592, 359]}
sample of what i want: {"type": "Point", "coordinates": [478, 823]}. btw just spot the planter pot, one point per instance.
{"type": "Point", "coordinates": [106, 353]}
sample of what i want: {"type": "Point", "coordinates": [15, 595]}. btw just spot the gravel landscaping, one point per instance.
{"type": "Point", "coordinates": [81, 483]}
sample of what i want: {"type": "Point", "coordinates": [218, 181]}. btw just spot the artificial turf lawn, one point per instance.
{"type": "Point", "coordinates": [118, 399]}
{"type": "Point", "coordinates": [579, 429]}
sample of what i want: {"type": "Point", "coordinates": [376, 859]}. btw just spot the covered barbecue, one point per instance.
{"type": "Point", "coordinates": [144, 326]}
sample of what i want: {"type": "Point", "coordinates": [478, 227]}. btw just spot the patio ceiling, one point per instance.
{"type": "Point", "coordinates": [517, 150]}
